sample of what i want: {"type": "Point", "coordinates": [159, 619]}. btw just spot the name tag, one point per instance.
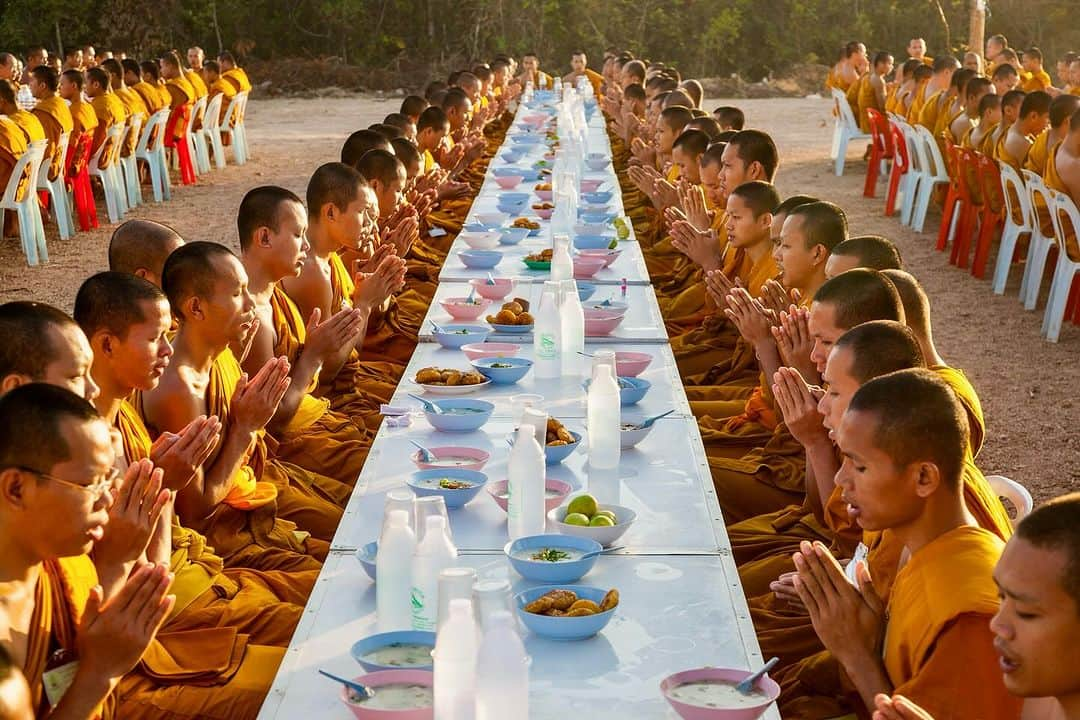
{"type": "Point", "coordinates": [57, 681]}
{"type": "Point", "coordinates": [436, 232]}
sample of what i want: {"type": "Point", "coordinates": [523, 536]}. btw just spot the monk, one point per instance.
{"type": "Point", "coordinates": [341, 217]}
{"type": "Point", "coordinates": [231, 625]}
{"type": "Point", "coordinates": [1063, 171]}
{"type": "Point", "coordinates": [181, 91]}
{"type": "Point", "coordinates": [216, 85]}
{"type": "Point", "coordinates": [579, 68]}
{"type": "Point", "coordinates": [873, 88]}
{"type": "Point", "coordinates": [916, 50]}
{"type": "Point", "coordinates": [234, 500]}
{"type": "Point", "coordinates": [989, 118]}
{"type": "Point", "coordinates": [53, 114]}
{"type": "Point", "coordinates": [140, 247]}
{"type": "Point", "coordinates": [903, 440]}
{"type": "Point", "coordinates": [56, 457]}
{"type": "Point", "coordinates": [966, 121]}
{"type": "Point", "coordinates": [1038, 78]}
{"type": "Point", "coordinates": [730, 118]}
{"type": "Point", "coordinates": [108, 108]}
{"type": "Point", "coordinates": [864, 251]}
{"type": "Point", "coordinates": [132, 102]}
{"type": "Point", "coordinates": [151, 75]}
{"type": "Point", "coordinates": [846, 71]}
{"type": "Point", "coordinates": [1036, 625]}
{"type": "Point", "coordinates": [1010, 112]}
{"type": "Point", "coordinates": [935, 97]}
{"type": "Point", "coordinates": [134, 79]}
{"type": "Point", "coordinates": [15, 136]}
{"type": "Point", "coordinates": [272, 225]}
{"type": "Point", "coordinates": [1005, 78]}
{"type": "Point", "coordinates": [1014, 145]}
{"type": "Point", "coordinates": [912, 99]}
{"type": "Point", "coordinates": [995, 46]}
{"type": "Point", "coordinates": [233, 73]}
{"type": "Point", "coordinates": [531, 73]}
{"type": "Point", "coordinates": [1062, 108]}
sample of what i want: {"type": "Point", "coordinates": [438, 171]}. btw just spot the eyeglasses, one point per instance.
{"type": "Point", "coordinates": [96, 489]}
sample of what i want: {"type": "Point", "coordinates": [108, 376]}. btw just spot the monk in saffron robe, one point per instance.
{"type": "Point", "coordinates": [936, 94]}
{"type": "Point", "coordinates": [1015, 143]}
{"type": "Point", "coordinates": [134, 79]}
{"type": "Point", "coordinates": [903, 439]}
{"type": "Point", "coordinates": [1062, 108]}
{"type": "Point", "coordinates": [108, 108]}
{"type": "Point", "coordinates": [57, 458]}
{"type": "Point", "coordinates": [234, 498]}
{"type": "Point", "coordinates": [54, 115]}
{"type": "Point", "coordinates": [29, 124]}
{"type": "Point", "coordinates": [432, 130]}
{"type": "Point", "coordinates": [579, 67]}
{"type": "Point", "coordinates": [341, 216]}
{"type": "Point", "coordinates": [181, 92]}
{"type": "Point", "coordinates": [233, 73]}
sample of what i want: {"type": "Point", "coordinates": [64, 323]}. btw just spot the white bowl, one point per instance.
{"type": "Point", "coordinates": [606, 536]}
{"type": "Point", "coordinates": [481, 240]}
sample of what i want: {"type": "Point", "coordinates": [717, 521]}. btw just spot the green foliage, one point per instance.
{"type": "Point", "coordinates": [702, 37]}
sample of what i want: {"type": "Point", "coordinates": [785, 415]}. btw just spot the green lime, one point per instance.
{"type": "Point", "coordinates": [608, 514]}
{"type": "Point", "coordinates": [584, 504]}
{"type": "Point", "coordinates": [613, 244]}
{"type": "Point", "coordinates": [602, 521]}
{"type": "Point", "coordinates": [576, 519]}
{"type": "Point", "coordinates": [621, 228]}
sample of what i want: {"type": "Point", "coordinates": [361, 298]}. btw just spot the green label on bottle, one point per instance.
{"type": "Point", "coordinates": [547, 348]}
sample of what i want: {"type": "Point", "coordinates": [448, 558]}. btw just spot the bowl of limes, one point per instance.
{"type": "Point", "coordinates": [584, 517]}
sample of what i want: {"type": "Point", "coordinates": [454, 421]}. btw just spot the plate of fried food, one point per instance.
{"type": "Point", "coordinates": [450, 381]}
{"type": "Point", "coordinates": [531, 225]}
{"type": "Point", "coordinates": [566, 612]}
{"type": "Point", "coordinates": [559, 443]}
{"type": "Point", "coordinates": [513, 318]}
{"type": "Point", "coordinates": [540, 260]}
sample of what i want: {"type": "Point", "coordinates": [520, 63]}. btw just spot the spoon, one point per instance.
{"type": "Point", "coordinates": [357, 692]}
{"type": "Point", "coordinates": [472, 296]}
{"type": "Point", "coordinates": [428, 405]}
{"type": "Point", "coordinates": [438, 329]}
{"type": "Point", "coordinates": [425, 454]}
{"type": "Point", "coordinates": [491, 279]}
{"type": "Point", "coordinates": [649, 422]}
{"type": "Point", "coordinates": [747, 685]}
{"type": "Point", "coordinates": [605, 551]}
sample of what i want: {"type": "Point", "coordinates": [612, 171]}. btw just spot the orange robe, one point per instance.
{"type": "Point", "coordinates": [1039, 80]}
{"type": "Point", "coordinates": [109, 111]}
{"type": "Point", "coordinates": [150, 96]}
{"type": "Point", "coordinates": [1039, 154]}
{"type": "Point", "coordinates": [55, 118]}
{"type": "Point", "coordinates": [12, 146]}
{"type": "Point", "coordinates": [1053, 181]}
{"type": "Point", "coordinates": [29, 124]}
{"type": "Point", "coordinates": [181, 92]}
{"type": "Point", "coordinates": [197, 83]}
{"type": "Point", "coordinates": [238, 78]}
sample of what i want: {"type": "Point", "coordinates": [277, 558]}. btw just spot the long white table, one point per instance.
{"type": "Point", "coordinates": [681, 602]}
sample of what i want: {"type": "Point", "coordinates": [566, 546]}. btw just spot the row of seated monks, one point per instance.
{"type": "Point", "coordinates": [89, 94]}
{"type": "Point", "coordinates": [193, 428]}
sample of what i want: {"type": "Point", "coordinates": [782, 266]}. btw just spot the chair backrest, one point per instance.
{"type": "Point", "coordinates": [967, 175]}
{"type": "Point", "coordinates": [153, 135]}
{"type": "Point", "coordinates": [990, 182]}
{"type": "Point", "coordinates": [911, 141]}
{"type": "Point", "coordinates": [1065, 211]}
{"type": "Point", "coordinates": [134, 127]}
{"type": "Point", "coordinates": [1015, 493]}
{"type": "Point", "coordinates": [935, 165]}
{"type": "Point", "coordinates": [901, 159]}
{"type": "Point", "coordinates": [1017, 200]}
{"type": "Point", "coordinates": [243, 106]}
{"type": "Point", "coordinates": [1041, 201]}
{"type": "Point", "coordinates": [56, 162]}
{"type": "Point", "coordinates": [198, 110]}
{"type": "Point", "coordinates": [24, 175]}
{"type": "Point", "coordinates": [879, 132]}
{"type": "Point", "coordinates": [232, 113]}
{"type": "Point", "coordinates": [212, 115]}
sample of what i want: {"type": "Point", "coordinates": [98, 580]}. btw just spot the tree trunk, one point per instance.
{"type": "Point", "coordinates": [977, 25]}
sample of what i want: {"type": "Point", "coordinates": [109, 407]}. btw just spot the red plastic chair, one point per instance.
{"type": "Point", "coordinates": [992, 217]}
{"type": "Point", "coordinates": [971, 205]}
{"type": "Point", "coordinates": [953, 201]}
{"type": "Point", "coordinates": [175, 130]}
{"type": "Point", "coordinates": [77, 177]}
{"type": "Point", "coordinates": [881, 149]}
{"type": "Point", "coordinates": [900, 166]}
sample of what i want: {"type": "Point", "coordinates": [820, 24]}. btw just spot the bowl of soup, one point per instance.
{"type": "Point", "coordinates": [480, 240]}
{"type": "Point", "coordinates": [631, 364]}
{"type": "Point", "coordinates": [398, 650]}
{"type": "Point", "coordinates": [555, 491]}
{"type": "Point", "coordinates": [399, 695]}
{"type": "Point", "coordinates": [452, 457]}
{"type": "Point", "coordinates": [460, 308]}
{"type": "Point", "coordinates": [456, 487]}
{"type": "Point", "coordinates": [503, 371]}
{"type": "Point", "coordinates": [492, 290]}
{"type": "Point", "coordinates": [480, 259]}
{"type": "Point", "coordinates": [476, 351]}
{"type": "Point", "coordinates": [710, 693]}
{"type": "Point", "coordinates": [552, 558]}
{"type": "Point", "coordinates": [460, 414]}
{"type": "Point", "coordinates": [455, 336]}
{"type": "Point", "coordinates": [366, 556]}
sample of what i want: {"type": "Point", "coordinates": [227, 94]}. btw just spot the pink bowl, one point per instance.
{"type": "Point", "coordinates": [498, 291]}
{"type": "Point", "coordinates": [389, 677]}
{"type": "Point", "coordinates": [693, 712]}
{"type": "Point", "coordinates": [498, 492]}
{"type": "Point", "coordinates": [631, 364]}
{"type": "Point", "coordinates": [544, 214]}
{"type": "Point", "coordinates": [478, 456]}
{"type": "Point", "coordinates": [476, 351]}
{"type": "Point", "coordinates": [608, 256]}
{"type": "Point", "coordinates": [586, 266]}
{"type": "Point", "coordinates": [459, 310]}
{"type": "Point", "coordinates": [601, 322]}
{"type": "Point", "coordinates": [591, 185]}
{"type": "Point", "coordinates": [509, 182]}
{"type": "Point", "coordinates": [544, 195]}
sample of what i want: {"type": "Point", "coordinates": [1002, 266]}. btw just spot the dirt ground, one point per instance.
{"type": "Point", "coordinates": [1028, 386]}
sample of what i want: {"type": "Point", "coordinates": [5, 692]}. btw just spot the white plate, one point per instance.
{"type": "Point", "coordinates": [452, 390]}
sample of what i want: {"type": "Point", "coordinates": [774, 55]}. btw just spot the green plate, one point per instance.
{"type": "Point", "coordinates": [538, 265]}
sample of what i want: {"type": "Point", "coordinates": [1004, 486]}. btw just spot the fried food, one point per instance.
{"type": "Point", "coordinates": [557, 434]}
{"type": "Point", "coordinates": [610, 600]}
{"type": "Point", "coordinates": [512, 313]}
{"type": "Point", "coordinates": [439, 376]}
{"type": "Point", "coordinates": [524, 319]}
{"type": "Point", "coordinates": [543, 187]}
{"type": "Point", "coordinates": [560, 600]}
{"type": "Point", "coordinates": [522, 302]}
{"type": "Point", "coordinates": [525, 223]}
{"type": "Point", "coordinates": [584, 604]}
{"type": "Point", "coordinates": [514, 306]}
{"type": "Point", "coordinates": [565, 603]}
{"type": "Point", "coordinates": [543, 206]}
{"type": "Point", "coordinates": [428, 376]}
{"type": "Point", "coordinates": [542, 256]}
{"type": "Point", "coordinates": [579, 612]}
{"type": "Point", "coordinates": [506, 317]}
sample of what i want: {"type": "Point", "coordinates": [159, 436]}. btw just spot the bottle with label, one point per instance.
{"type": "Point", "coordinates": [572, 318]}
{"type": "Point", "coordinates": [455, 664]}
{"type": "Point", "coordinates": [433, 555]}
{"type": "Point", "coordinates": [502, 672]}
{"type": "Point", "coordinates": [547, 332]}
{"type": "Point", "coordinates": [525, 509]}
{"type": "Point", "coordinates": [603, 411]}
{"type": "Point", "coordinates": [393, 568]}
{"type": "Point", "coordinates": [562, 266]}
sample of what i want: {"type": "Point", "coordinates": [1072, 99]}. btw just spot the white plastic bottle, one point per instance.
{"type": "Point", "coordinates": [562, 266]}
{"type": "Point", "coordinates": [572, 318]}
{"type": "Point", "coordinates": [547, 331]}
{"type": "Point", "coordinates": [603, 417]}
{"type": "Point", "coordinates": [393, 568]}
{"type": "Point", "coordinates": [525, 484]}
{"type": "Point", "coordinates": [502, 672]}
{"type": "Point", "coordinates": [455, 664]}
{"type": "Point", "coordinates": [433, 555]}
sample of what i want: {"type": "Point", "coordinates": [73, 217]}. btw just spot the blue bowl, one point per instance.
{"type": "Point", "coordinates": [585, 290]}
{"type": "Point", "coordinates": [511, 157]}
{"type": "Point", "coordinates": [510, 170]}
{"type": "Point", "coordinates": [597, 165]}
{"type": "Point", "coordinates": [503, 375]}
{"type": "Point", "coordinates": [514, 198]}
{"type": "Point", "coordinates": [480, 227]}
{"type": "Point", "coordinates": [599, 197]}
{"type": "Point", "coordinates": [527, 139]}
{"type": "Point", "coordinates": [555, 454]}
{"type": "Point", "coordinates": [563, 628]}
{"type": "Point", "coordinates": [454, 498]}
{"type": "Point", "coordinates": [631, 390]}
{"type": "Point", "coordinates": [373, 642]}
{"type": "Point", "coordinates": [470, 416]}
{"type": "Point", "coordinates": [512, 329]}
{"type": "Point", "coordinates": [512, 209]}
{"type": "Point", "coordinates": [593, 242]}
{"type": "Point", "coordinates": [454, 340]}
{"type": "Point", "coordinates": [480, 259]}
{"type": "Point", "coordinates": [366, 555]}
{"type": "Point", "coordinates": [552, 572]}
{"type": "Point", "coordinates": [512, 235]}
{"type": "Point", "coordinates": [534, 233]}
{"type": "Point", "coordinates": [595, 218]}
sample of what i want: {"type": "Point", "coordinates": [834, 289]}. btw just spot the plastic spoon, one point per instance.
{"type": "Point", "coordinates": [491, 279]}
{"type": "Point", "coordinates": [649, 422]}
{"type": "Point", "coordinates": [437, 329]}
{"type": "Point", "coordinates": [425, 454]}
{"type": "Point", "coordinates": [472, 296]}
{"type": "Point", "coordinates": [357, 692]}
{"type": "Point", "coordinates": [605, 551]}
{"type": "Point", "coordinates": [428, 405]}
{"type": "Point", "coordinates": [747, 686]}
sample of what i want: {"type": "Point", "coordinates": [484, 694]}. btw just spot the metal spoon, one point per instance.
{"type": "Point", "coordinates": [425, 454]}
{"type": "Point", "coordinates": [747, 686]}
{"type": "Point", "coordinates": [357, 692]}
{"type": "Point", "coordinates": [605, 551]}
{"type": "Point", "coordinates": [428, 405]}
{"type": "Point", "coordinates": [649, 422]}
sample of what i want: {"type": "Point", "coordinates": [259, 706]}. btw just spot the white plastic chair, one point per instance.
{"type": "Point", "coordinates": [198, 108]}
{"type": "Point", "coordinates": [31, 229]}
{"type": "Point", "coordinates": [130, 164]}
{"type": "Point", "coordinates": [242, 124]}
{"type": "Point", "coordinates": [1015, 493]}
{"type": "Point", "coordinates": [1067, 267]}
{"type": "Point", "coordinates": [1040, 243]}
{"type": "Point", "coordinates": [211, 131]}
{"type": "Point", "coordinates": [934, 174]}
{"type": "Point", "coordinates": [198, 137]}
{"type": "Point", "coordinates": [910, 182]}
{"type": "Point", "coordinates": [58, 196]}
{"type": "Point", "coordinates": [111, 181]}
{"type": "Point", "coordinates": [1017, 204]}
{"type": "Point", "coordinates": [151, 150]}
{"type": "Point", "coordinates": [847, 129]}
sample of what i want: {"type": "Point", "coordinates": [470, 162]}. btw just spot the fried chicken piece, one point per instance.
{"type": "Point", "coordinates": [584, 604]}
{"type": "Point", "coordinates": [559, 600]}
{"type": "Point", "coordinates": [579, 612]}
{"type": "Point", "coordinates": [610, 600]}
{"type": "Point", "coordinates": [505, 317]}
{"type": "Point", "coordinates": [524, 319]}
{"type": "Point", "coordinates": [513, 306]}
{"type": "Point", "coordinates": [429, 376]}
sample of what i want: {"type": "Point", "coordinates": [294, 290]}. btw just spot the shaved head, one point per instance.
{"type": "Point", "coordinates": [140, 247]}
{"type": "Point", "coordinates": [859, 296]}
{"type": "Point", "coordinates": [880, 347]}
